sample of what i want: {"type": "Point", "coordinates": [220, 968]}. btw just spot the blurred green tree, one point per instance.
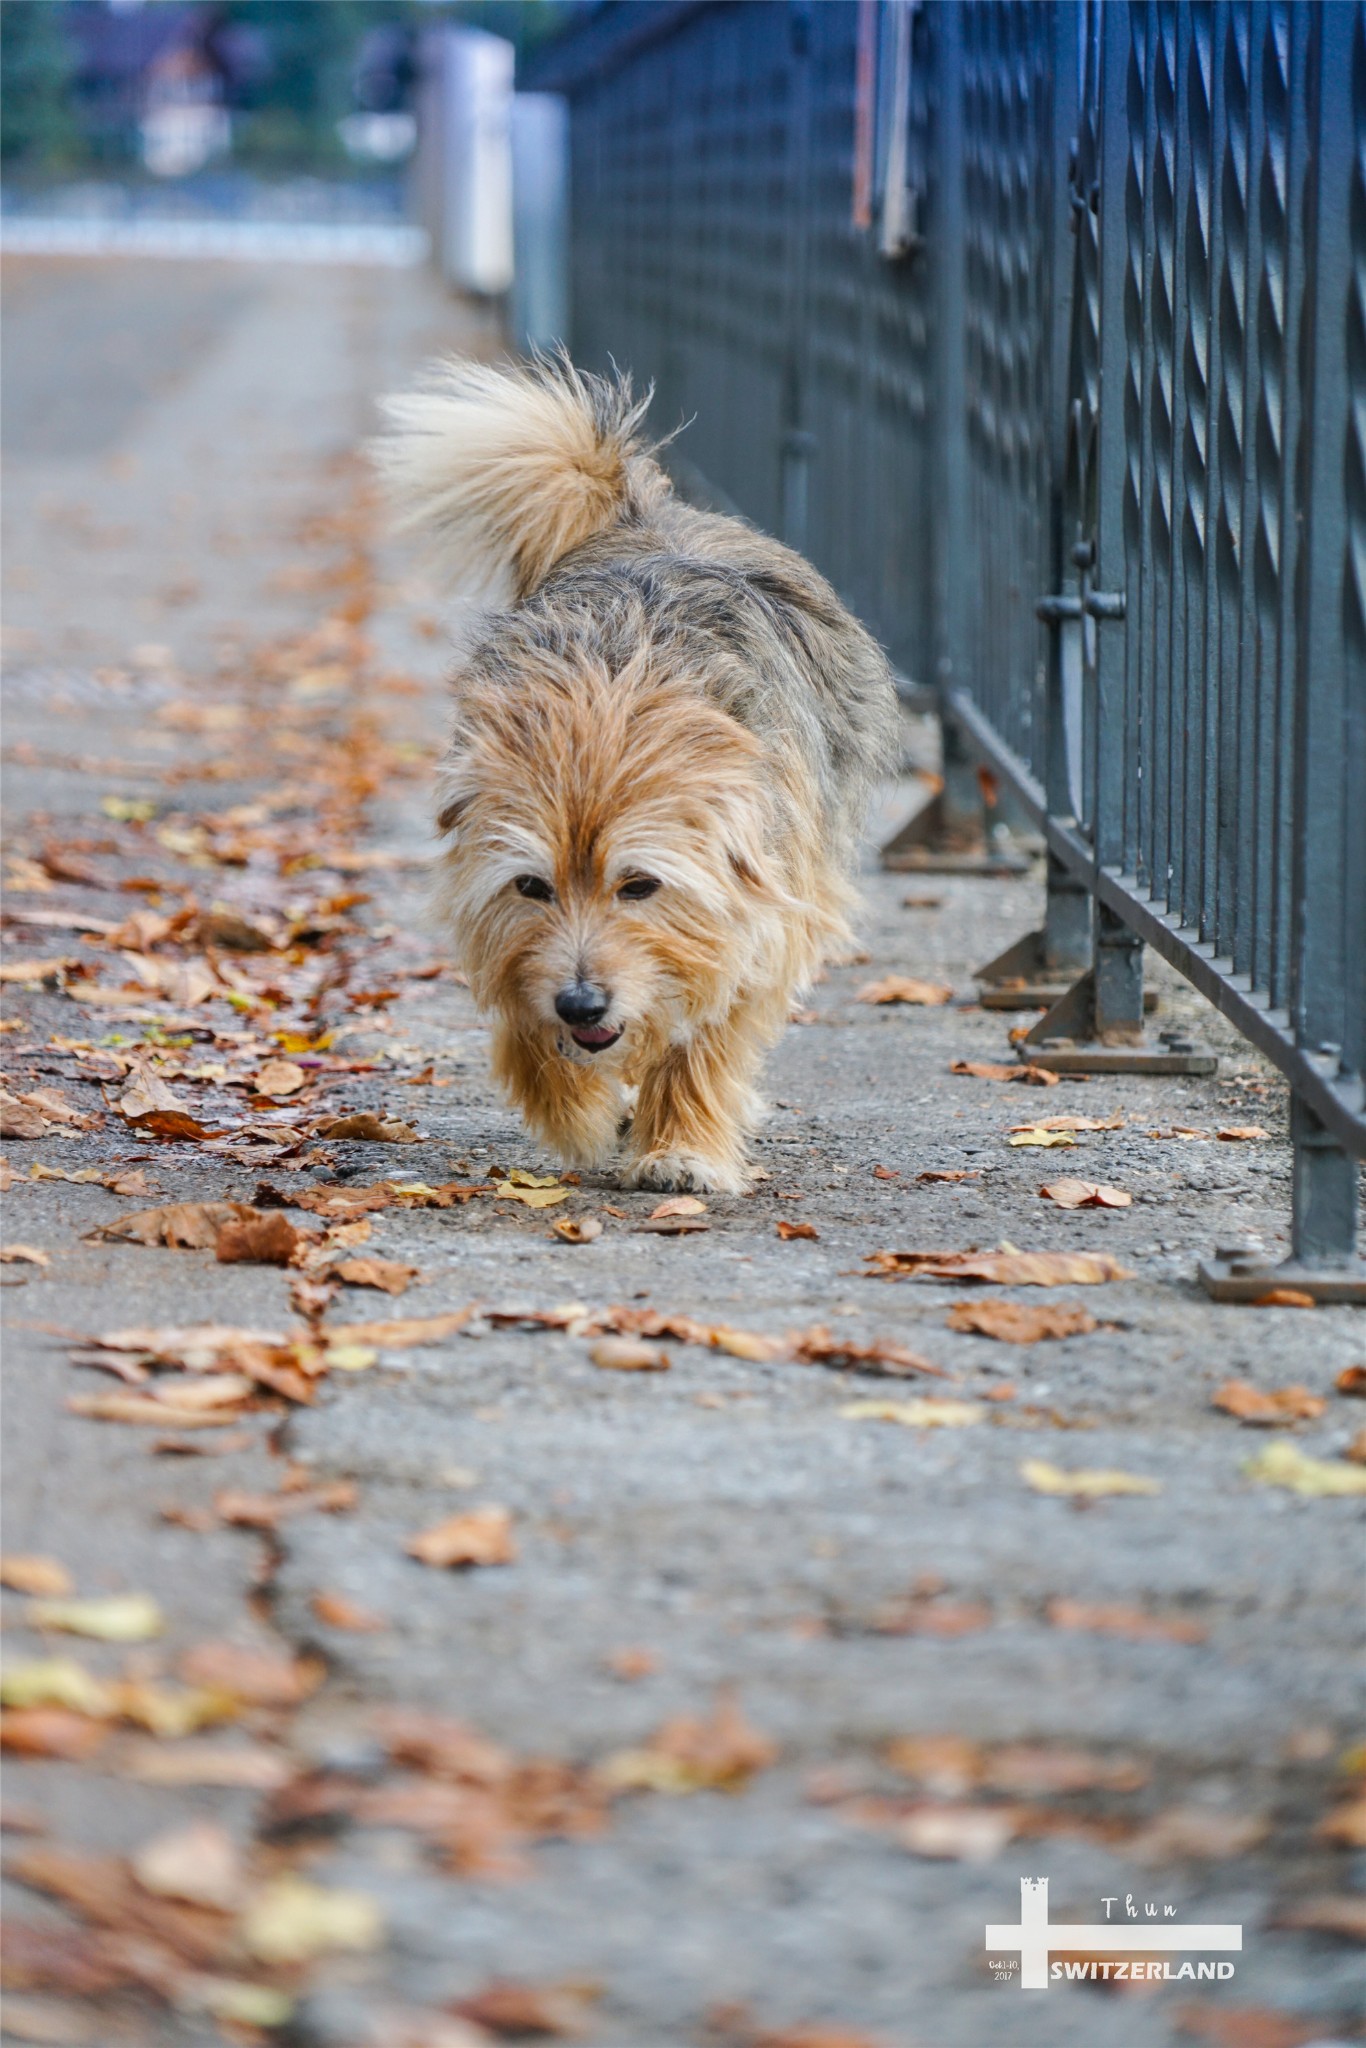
{"type": "Point", "coordinates": [38, 126]}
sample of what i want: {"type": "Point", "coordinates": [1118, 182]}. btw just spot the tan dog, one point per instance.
{"type": "Point", "coordinates": [661, 754]}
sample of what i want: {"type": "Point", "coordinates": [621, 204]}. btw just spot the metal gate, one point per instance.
{"type": "Point", "coordinates": [1042, 329]}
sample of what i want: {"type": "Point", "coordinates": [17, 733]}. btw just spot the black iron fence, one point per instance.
{"type": "Point", "coordinates": [1042, 328]}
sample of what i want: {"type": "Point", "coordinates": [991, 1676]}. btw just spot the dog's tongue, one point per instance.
{"type": "Point", "coordinates": [593, 1035]}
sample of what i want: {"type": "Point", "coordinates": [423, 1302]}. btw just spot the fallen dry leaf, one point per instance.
{"type": "Point", "coordinates": [1284, 1464]}
{"type": "Point", "coordinates": [1083, 1484]}
{"type": "Point", "coordinates": [37, 971]}
{"type": "Point", "coordinates": [1003, 1269]}
{"type": "Point", "coordinates": [255, 1677]}
{"type": "Point", "coordinates": [949, 1173]}
{"type": "Point", "coordinates": [183, 1226]}
{"type": "Point", "coordinates": [1014, 1322]}
{"type": "Point", "coordinates": [199, 1863]}
{"type": "Point", "coordinates": [258, 1240]}
{"type": "Point", "coordinates": [1072, 1123]}
{"type": "Point", "coordinates": [279, 1078]}
{"type": "Point", "coordinates": [20, 1119]}
{"type": "Point", "coordinates": [673, 1226]}
{"type": "Point", "coordinates": [535, 1193]}
{"type": "Point", "coordinates": [787, 1231]}
{"type": "Point", "coordinates": [1285, 1297]}
{"type": "Point", "coordinates": [23, 1255]}
{"type": "Point", "coordinates": [268, 1510]}
{"type": "Point", "coordinates": [401, 1333]}
{"type": "Point", "coordinates": [628, 1354]}
{"type": "Point", "coordinates": [1134, 1624]}
{"type": "Point", "coordinates": [692, 1755]}
{"type": "Point", "coordinates": [915, 1414]}
{"type": "Point", "coordinates": [56, 1732]}
{"type": "Point", "coordinates": [372, 1129]}
{"type": "Point", "coordinates": [632, 1662]}
{"type": "Point", "coordinates": [145, 1408]}
{"type": "Point", "coordinates": [1197, 1831]}
{"type": "Point", "coordinates": [514, 2011]}
{"type": "Point", "coordinates": [959, 1834]}
{"type": "Point", "coordinates": [1356, 1449]}
{"type": "Point", "coordinates": [292, 1920]}
{"type": "Point", "coordinates": [678, 1205]}
{"type": "Point", "coordinates": [902, 988]}
{"type": "Point", "coordinates": [1341, 1913]}
{"type": "Point", "coordinates": [882, 1358]}
{"type": "Point", "coordinates": [336, 1610]}
{"type": "Point", "coordinates": [1237, 1133]}
{"type": "Point", "coordinates": [1346, 1823]}
{"type": "Point", "coordinates": [577, 1229]}
{"type": "Point", "coordinates": [1085, 1194]}
{"type": "Point", "coordinates": [203, 1760]}
{"type": "Point", "coordinates": [996, 1070]}
{"type": "Point", "coordinates": [43, 1576]}
{"type": "Point", "coordinates": [1352, 1381]}
{"type": "Point", "coordinates": [1042, 1138]}
{"type": "Point", "coordinates": [479, 1536]}
{"type": "Point", "coordinates": [120, 1618]}
{"type": "Point", "coordinates": [1282, 1404]}
{"type": "Point", "coordinates": [390, 1276]}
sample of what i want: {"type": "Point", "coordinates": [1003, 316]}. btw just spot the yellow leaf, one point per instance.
{"type": "Point", "coordinates": [1083, 1484]}
{"type": "Point", "coordinates": [122, 1618]}
{"type": "Point", "coordinates": [1285, 1464]}
{"type": "Point", "coordinates": [350, 1357]}
{"type": "Point", "coordinates": [248, 2005]}
{"type": "Point", "coordinates": [540, 1194]}
{"type": "Point", "coordinates": [57, 1682]}
{"type": "Point", "coordinates": [520, 1178]}
{"type": "Point", "coordinates": [128, 810]}
{"type": "Point", "coordinates": [292, 1921]}
{"type": "Point", "coordinates": [915, 1414]}
{"type": "Point", "coordinates": [42, 1576]}
{"type": "Point", "coordinates": [1041, 1137]}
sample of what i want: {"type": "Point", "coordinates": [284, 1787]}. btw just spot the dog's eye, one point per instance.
{"type": "Point", "coordinates": [533, 886]}
{"type": "Point", "coordinates": [637, 889]}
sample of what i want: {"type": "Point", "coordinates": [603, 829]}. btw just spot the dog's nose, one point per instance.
{"type": "Point", "coordinates": [582, 1003]}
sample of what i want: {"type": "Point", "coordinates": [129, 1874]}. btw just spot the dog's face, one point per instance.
{"type": "Point", "coordinates": [607, 873]}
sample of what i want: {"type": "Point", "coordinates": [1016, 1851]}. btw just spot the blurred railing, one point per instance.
{"type": "Point", "coordinates": [1042, 329]}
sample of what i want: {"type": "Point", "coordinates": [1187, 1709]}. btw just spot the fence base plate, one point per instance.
{"type": "Point", "coordinates": [1058, 1058]}
{"type": "Point", "coordinates": [934, 842]}
{"type": "Point", "coordinates": [968, 861]}
{"type": "Point", "coordinates": [1248, 1275]}
{"type": "Point", "coordinates": [1037, 995]}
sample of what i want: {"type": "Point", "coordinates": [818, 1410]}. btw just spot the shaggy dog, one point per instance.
{"type": "Point", "coordinates": [662, 749]}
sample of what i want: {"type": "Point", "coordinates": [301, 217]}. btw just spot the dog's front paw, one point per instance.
{"type": "Point", "coordinates": [684, 1173]}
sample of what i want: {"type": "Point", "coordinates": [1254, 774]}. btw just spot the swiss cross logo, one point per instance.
{"type": "Point", "coordinates": [1113, 1949]}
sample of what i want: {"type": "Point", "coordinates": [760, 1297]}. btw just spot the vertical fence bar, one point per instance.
{"type": "Point", "coordinates": [1329, 590]}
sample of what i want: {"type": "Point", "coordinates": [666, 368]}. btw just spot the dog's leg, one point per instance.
{"type": "Point", "coordinates": [574, 1110]}
{"type": "Point", "coordinates": [696, 1107]}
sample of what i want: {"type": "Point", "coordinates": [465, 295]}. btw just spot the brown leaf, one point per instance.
{"type": "Point", "coordinates": [183, 1226]}
{"type": "Point", "coordinates": [678, 1205]}
{"type": "Point", "coordinates": [577, 1229]}
{"type": "Point", "coordinates": [198, 1863]}
{"type": "Point", "coordinates": [1072, 1123]}
{"type": "Point", "coordinates": [1197, 1831]}
{"type": "Point", "coordinates": [1285, 1297]}
{"type": "Point", "coordinates": [628, 1354]}
{"type": "Point", "coordinates": [1356, 1449]}
{"type": "Point", "coordinates": [1341, 1913]}
{"type": "Point", "coordinates": [787, 1231]}
{"type": "Point", "coordinates": [145, 1408]}
{"type": "Point", "coordinates": [1085, 1194]}
{"type": "Point", "coordinates": [371, 1128]}
{"type": "Point", "coordinates": [145, 1094]}
{"type": "Point", "coordinates": [1352, 1381]}
{"type": "Point", "coordinates": [1237, 1133]}
{"type": "Point", "coordinates": [247, 1767]}
{"type": "Point", "coordinates": [903, 988]}
{"type": "Point", "coordinates": [41, 1576]}
{"type": "Point", "coordinates": [268, 1510]}
{"type": "Point", "coordinates": [52, 1732]}
{"type": "Point", "coordinates": [1281, 1405]}
{"type": "Point", "coordinates": [335, 1610]}
{"type": "Point", "coordinates": [1346, 1823]}
{"type": "Point", "coordinates": [995, 1070]}
{"type": "Point", "coordinates": [280, 1077]}
{"type": "Point", "coordinates": [19, 1119]}
{"type": "Point", "coordinates": [479, 1536]}
{"type": "Point", "coordinates": [391, 1276]}
{"type": "Point", "coordinates": [950, 1173]}
{"type": "Point", "coordinates": [518, 2011]}
{"type": "Point", "coordinates": [1003, 1269]}
{"type": "Point", "coordinates": [817, 1346]}
{"type": "Point", "coordinates": [255, 1677]}
{"type": "Point", "coordinates": [673, 1226]}
{"type": "Point", "coordinates": [1014, 1322]}
{"type": "Point", "coordinates": [256, 1240]}
{"type": "Point", "coordinates": [689, 1754]}
{"type": "Point", "coordinates": [1134, 1624]}
{"type": "Point", "coordinates": [37, 970]}
{"type": "Point", "coordinates": [632, 1662]}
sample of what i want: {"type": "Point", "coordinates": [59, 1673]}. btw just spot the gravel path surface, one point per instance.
{"type": "Point", "coordinates": [913, 1676]}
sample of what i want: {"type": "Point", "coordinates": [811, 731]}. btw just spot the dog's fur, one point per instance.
{"type": "Point", "coordinates": [669, 696]}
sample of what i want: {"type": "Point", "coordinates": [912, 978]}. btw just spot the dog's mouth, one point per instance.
{"type": "Point", "coordinates": [594, 1037]}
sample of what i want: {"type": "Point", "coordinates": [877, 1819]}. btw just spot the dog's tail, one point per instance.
{"type": "Point", "coordinates": [507, 469]}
